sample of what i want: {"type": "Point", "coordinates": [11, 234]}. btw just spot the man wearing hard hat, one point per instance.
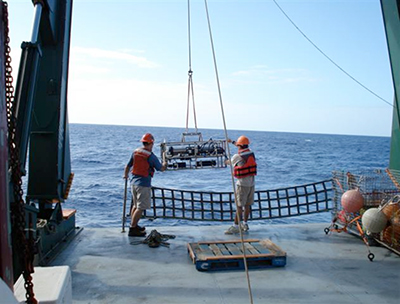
{"type": "Point", "coordinates": [142, 166]}
{"type": "Point", "coordinates": [244, 169]}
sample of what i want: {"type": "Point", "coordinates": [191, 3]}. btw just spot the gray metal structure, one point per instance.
{"type": "Point", "coordinates": [391, 17]}
{"type": "Point", "coordinates": [194, 154]}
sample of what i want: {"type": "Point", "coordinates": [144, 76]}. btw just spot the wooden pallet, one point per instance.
{"type": "Point", "coordinates": [228, 255]}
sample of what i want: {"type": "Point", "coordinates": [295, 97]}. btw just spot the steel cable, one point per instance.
{"type": "Point", "coordinates": [190, 79]}
{"type": "Point", "coordinates": [229, 153]}
{"type": "Point", "coordinates": [331, 60]}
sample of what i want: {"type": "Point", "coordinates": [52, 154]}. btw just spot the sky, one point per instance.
{"type": "Point", "coordinates": [129, 64]}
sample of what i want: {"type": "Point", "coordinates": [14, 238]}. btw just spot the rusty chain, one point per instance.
{"type": "Point", "coordinates": [23, 245]}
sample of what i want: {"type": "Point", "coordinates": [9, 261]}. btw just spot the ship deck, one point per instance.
{"type": "Point", "coordinates": [320, 268]}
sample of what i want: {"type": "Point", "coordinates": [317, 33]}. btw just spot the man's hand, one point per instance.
{"type": "Point", "coordinates": [231, 141]}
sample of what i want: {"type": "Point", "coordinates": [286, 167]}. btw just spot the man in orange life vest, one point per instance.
{"type": "Point", "coordinates": [244, 169]}
{"type": "Point", "coordinates": [143, 163]}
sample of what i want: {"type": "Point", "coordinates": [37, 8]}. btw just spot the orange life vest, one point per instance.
{"type": "Point", "coordinates": [249, 168]}
{"type": "Point", "coordinates": [141, 164]}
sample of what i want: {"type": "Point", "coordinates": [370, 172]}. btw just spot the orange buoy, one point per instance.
{"type": "Point", "coordinates": [352, 201]}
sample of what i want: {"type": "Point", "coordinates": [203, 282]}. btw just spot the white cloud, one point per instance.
{"type": "Point", "coordinates": [131, 51]}
{"type": "Point", "coordinates": [152, 103]}
{"type": "Point", "coordinates": [116, 55]}
{"type": "Point", "coordinates": [82, 69]}
{"type": "Point", "coordinates": [264, 74]}
{"type": "Point", "coordinates": [126, 101]}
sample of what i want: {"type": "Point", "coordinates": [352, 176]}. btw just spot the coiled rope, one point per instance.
{"type": "Point", "coordinates": [229, 152]}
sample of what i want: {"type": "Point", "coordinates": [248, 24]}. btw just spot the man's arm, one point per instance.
{"type": "Point", "coordinates": [126, 172]}
{"type": "Point", "coordinates": [155, 163]}
{"type": "Point", "coordinates": [236, 158]}
{"type": "Point", "coordinates": [127, 167]}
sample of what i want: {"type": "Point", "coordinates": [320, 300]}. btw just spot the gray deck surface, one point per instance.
{"type": "Point", "coordinates": [320, 268]}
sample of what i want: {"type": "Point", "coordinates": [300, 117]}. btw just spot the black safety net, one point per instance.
{"type": "Point", "coordinates": [220, 206]}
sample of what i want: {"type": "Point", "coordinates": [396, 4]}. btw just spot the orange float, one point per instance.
{"type": "Point", "coordinates": [352, 201]}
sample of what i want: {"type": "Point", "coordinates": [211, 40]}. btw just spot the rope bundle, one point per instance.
{"type": "Point", "coordinates": [155, 239]}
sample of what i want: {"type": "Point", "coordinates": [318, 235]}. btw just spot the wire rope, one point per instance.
{"type": "Point", "coordinates": [331, 60]}
{"type": "Point", "coordinates": [190, 79]}
{"type": "Point", "coordinates": [229, 153]}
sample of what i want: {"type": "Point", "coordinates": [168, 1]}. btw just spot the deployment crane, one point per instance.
{"type": "Point", "coordinates": [34, 117]}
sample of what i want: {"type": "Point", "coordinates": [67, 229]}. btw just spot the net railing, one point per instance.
{"type": "Point", "coordinates": [220, 206]}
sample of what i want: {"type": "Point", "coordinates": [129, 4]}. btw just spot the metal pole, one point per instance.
{"type": "Point", "coordinates": [124, 208]}
{"type": "Point", "coordinates": [36, 23]}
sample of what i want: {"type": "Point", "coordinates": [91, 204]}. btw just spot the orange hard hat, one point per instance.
{"type": "Point", "coordinates": [242, 141]}
{"type": "Point", "coordinates": [148, 138]}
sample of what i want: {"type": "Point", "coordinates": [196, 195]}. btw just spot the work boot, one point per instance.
{"type": "Point", "coordinates": [134, 231]}
{"type": "Point", "coordinates": [140, 228]}
{"type": "Point", "coordinates": [232, 230]}
{"type": "Point", "coordinates": [244, 227]}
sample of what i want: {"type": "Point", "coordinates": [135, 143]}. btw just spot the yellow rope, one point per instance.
{"type": "Point", "coordinates": [229, 155]}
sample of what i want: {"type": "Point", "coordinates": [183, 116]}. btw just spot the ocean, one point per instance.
{"type": "Point", "coordinates": [99, 154]}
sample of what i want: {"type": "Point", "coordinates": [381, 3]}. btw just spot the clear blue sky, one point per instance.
{"type": "Point", "coordinates": [129, 63]}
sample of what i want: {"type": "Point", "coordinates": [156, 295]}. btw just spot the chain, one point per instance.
{"type": "Point", "coordinates": [23, 245]}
